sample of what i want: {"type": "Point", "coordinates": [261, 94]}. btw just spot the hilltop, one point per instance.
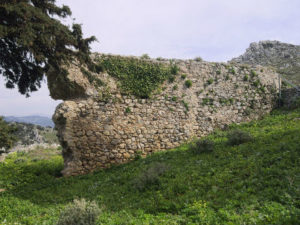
{"type": "Point", "coordinates": [282, 56]}
{"type": "Point", "coordinates": [37, 120]}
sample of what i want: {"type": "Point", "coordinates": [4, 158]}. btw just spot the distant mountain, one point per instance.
{"type": "Point", "coordinates": [285, 58]}
{"type": "Point", "coordinates": [37, 120]}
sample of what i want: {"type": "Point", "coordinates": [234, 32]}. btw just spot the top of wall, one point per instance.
{"type": "Point", "coordinates": [143, 77]}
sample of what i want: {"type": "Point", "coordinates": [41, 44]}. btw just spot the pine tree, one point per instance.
{"type": "Point", "coordinates": [33, 40]}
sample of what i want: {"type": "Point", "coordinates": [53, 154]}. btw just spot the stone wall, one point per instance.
{"type": "Point", "coordinates": [104, 127]}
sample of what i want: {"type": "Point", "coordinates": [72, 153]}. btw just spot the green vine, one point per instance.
{"type": "Point", "coordinates": [137, 77]}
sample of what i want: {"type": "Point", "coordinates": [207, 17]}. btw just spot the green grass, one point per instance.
{"type": "Point", "coordinates": [252, 183]}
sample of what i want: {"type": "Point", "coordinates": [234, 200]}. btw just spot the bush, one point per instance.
{"type": "Point", "coordinates": [202, 146]}
{"type": "Point", "coordinates": [183, 76]}
{"type": "Point", "coordinates": [210, 81]}
{"type": "Point", "coordinates": [237, 137]}
{"type": "Point", "coordinates": [188, 83]}
{"type": "Point", "coordinates": [198, 59]}
{"type": "Point", "coordinates": [80, 212]}
{"type": "Point", "coordinates": [171, 79]}
{"type": "Point", "coordinates": [246, 77]}
{"type": "Point", "coordinates": [174, 69]}
{"type": "Point", "coordinates": [150, 176]}
{"type": "Point", "coordinates": [7, 137]}
{"type": "Point", "coordinates": [145, 56]}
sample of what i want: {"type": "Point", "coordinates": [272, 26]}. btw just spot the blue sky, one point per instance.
{"type": "Point", "coordinates": [216, 30]}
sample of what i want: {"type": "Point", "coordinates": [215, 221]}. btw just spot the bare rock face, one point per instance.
{"type": "Point", "coordinates": [285, 58]}
{"type": "Point", "coordinates": [101, 126]}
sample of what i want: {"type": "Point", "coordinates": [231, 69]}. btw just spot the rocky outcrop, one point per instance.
{"type": "Point", "coordinates": [285, 58]}
{"type": "Point", "coordinates": [103, 126]}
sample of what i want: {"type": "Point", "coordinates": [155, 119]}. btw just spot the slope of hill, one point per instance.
{"type": "Point", "coordinates": [37, 120]}
{"type": "Point", "coordinates": [252, 183]}
{"type": "Point", "coordinates": [284, 57]}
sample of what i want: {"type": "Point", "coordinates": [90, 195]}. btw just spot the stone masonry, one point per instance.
{"type": "Point", "coordinates": [101, 127]}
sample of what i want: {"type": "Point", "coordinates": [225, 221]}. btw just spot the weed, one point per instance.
{"type": "Point", "coordinates": [145, 56]}
{"type": "Point", "coordinates": [183, 76]}
{"type": "Point", "coordinates": [237, 137]}
{"type": "Point", "coordinates": [174, 98]}
{"type": "Point", "coordinates": [188, 83]}
{"type": "Point", "coordinates": [128, 110]}
{"type": "Point", "coordinates": [209, 81]}
{"type": "Point", "coordinates": [80, 212]}
{"type": "Point", "coordinates": [150, 177]}
{"type": "Point", "coordinates": [202, 146]}
{"type": "Point", "coordinates": [198, 59]}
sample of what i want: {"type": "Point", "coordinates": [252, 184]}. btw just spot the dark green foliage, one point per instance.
{"type": "Point", "coordinates": [127, 110]}
{"type": "Point", "coordinates": [188, 83]}
{"type": "Point", "coordinates": [174, 98]}
{"type": "Point", "coordinates": [256, 83]}
{"type": "Point", "coordinates": [175, 87]}
{"type": "Point", "coordinates": [237, 137]}
{"type": "Point", "coordinates": [246, 78]}
{"type": "Point", "coordinates": [207, 101]}
{"type": "Point", "coordinates": [209, 81]}
{"type": "Point", "coordinates": [198, 59]}
{"type": "Point", "coordinates": [174, 69]}
{"type": "Point", "coordinates": [150, 177]}
{"type": "Point", "coordinates": [145, 56]}
{"type": "Point", "coordinates": [171, 79]}
{"type": "Point", "coordinates": [80, 212]}
{"type": "Point", "coordinates": [202, 146]}
{"type": "Point", "coordinates": [232, 70]}
{"type": "Point", "coordinates": [137, 77]}
{"type": "Point", "coordinates": [218, 72]}
{"type": "Point", "coordinates": [33, 40]}
{"type": "Point", "coordinates": [186, 105]}
{"type": "Point", "coordinates": [7, 136]}
{"type": "Point", "coordinates": [253, 73]}
{"type": "Point", "coordinates": [227, 77]}
{"type": "Point", "coordinates": [92, 78]}
{"type": "Point", "coordinates": [183, 76]}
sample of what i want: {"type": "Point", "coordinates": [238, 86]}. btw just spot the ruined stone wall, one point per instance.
{"type": "Point", "coordinates": [104, 127]}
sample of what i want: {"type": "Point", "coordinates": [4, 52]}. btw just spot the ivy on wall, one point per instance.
{"type": "Point", "coordinates": [138, 77]}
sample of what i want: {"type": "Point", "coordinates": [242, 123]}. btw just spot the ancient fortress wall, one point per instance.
{"type": "Point", "coordinates": [98, 127]}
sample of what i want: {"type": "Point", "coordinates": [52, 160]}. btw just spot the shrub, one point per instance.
{"type": "Point", "coordinates": [232, 70]}
{"type": "Point", "coordinates": [80, 212]}
{"type": "Point", "coordinates": [183, 76]}
{"type": "Point", "coordinates": [7, 137]}
{"type": "Point", "coordinates": [218, 72]}
{"type": "Point", "coordinates": [174, 69]}
{"type": "Point", "coordinates": [150, 177]}
{"type": "Point", "coordinates": [237, 137]}
{"type": "Point", "coordinates": [253, 73]}
{"type": "Point", "coordinates": [210, 81]}
{"type": "Point", "coordinates": [188, 83]}
{"type": "Point", "coordinates": [175, 87]}
{"type": "Point", "coordinates": [145, 56]}
{"type": "Point", "coordinates": [174, 98]}
{"type": "Point", "coordinates": [198, 59]}
{"type": "Point", "coordinates": [127, 110]}
{"type": "Point", "coordinates": [202, 146]}
{"type": "Point", "coordinates": [246, 77]}
{"type": "Point", "coordinates": [171, 79]}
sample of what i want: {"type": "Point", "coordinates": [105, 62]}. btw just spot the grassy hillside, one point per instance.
{"type": "Point", "coordinates": [257, 182]}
